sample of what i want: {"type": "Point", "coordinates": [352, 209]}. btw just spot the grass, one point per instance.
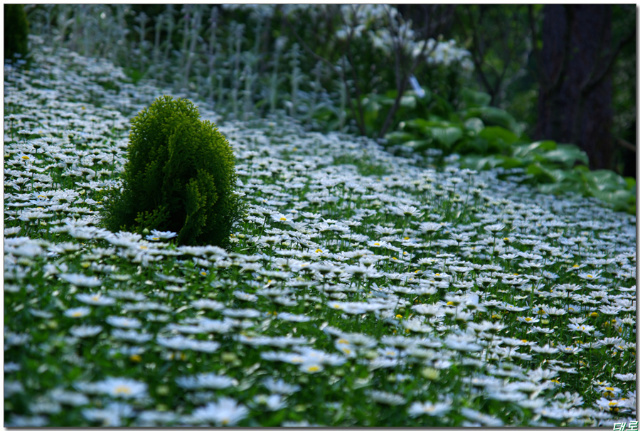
{"type": "Point", "coordinates": [365, 166]}
{"type": "Point", "coordinates": [392, 294]}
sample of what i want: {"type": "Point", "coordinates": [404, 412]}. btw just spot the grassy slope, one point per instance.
{"type": "Point", "coordinates": [383, 291]}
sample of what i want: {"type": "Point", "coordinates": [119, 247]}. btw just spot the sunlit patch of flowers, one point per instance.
{"type": "Point", "coordinates": [424, 297]}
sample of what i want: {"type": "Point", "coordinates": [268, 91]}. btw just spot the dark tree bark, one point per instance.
{"type": "Point", "coordinates": [575, 97]}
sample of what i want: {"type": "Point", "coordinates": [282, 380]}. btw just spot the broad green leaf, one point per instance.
{"type": "Point", "coordinates": [440, 123]}
{"type": "Point", "coordinates": [417, 125]}
{"type": "Point", "coordinates": [496, 133]}
{"type": "Point", "coordinates": [480, 163]}
{"type": "Point", "coordinates": [477, 146]}
{"type": "Point", "coordinates": [567, 155]}
{"type": "Point", "coordinates": [493, 116]}
{"type": "Point", "coordinates": [474, 125]}
{"type": "Point", "coordinates": [419, 145]}
{"type": "Point", "coordinates": [564, 176]}
{"type": "Point", "coordinates": [619, 199]}
{"type": "Point", "coordinates": [541, 173]}
{"type": "Point", "coordinates": [580, 168]}
{"type": "Point", "coordinates": [399, 137]}
{"type": "Point", "coordinates": [446, 136]}
{"type": "Point", "coordinates": [510, 162]}
{"type": "Point", "coordinates": [559, 188]}
{"type": "Point", "coordinates": [425, 125]}
{"type": "Point", "coordinates": [604, 180]}
{"type": "Point", "coordinates": [539, 146]}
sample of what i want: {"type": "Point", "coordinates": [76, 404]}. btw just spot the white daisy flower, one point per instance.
{"type": "Point", "coordinates": [85, 331]}
{"type": "Point", "coordinates": [224, 412]}
{"type": "Point", "coordinates": [95, 299]}
{"type": "Point", "coordinates": [121, 387]}
{"type": "Point", "coordinates": [123, 322]}
{"type": "Point", "coordinates": [80, 280]}
{"type": "Point", "coordinates": [429, 408]}
{"type": "Point", "coordinates": [77, 312]}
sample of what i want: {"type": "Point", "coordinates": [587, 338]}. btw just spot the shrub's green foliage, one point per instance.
{"type": "Point", "coordinates": [180, 177]}
{"type": "Point", "coordinates": [16, 31]}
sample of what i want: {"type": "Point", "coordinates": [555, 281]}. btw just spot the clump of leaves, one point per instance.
{"type": "Point", "coordinates": [180, 177]}
{"type": "Point", "coordinates": [487, 138]}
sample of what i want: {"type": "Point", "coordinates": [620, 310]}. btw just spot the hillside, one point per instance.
{"type": "Point", "coordinates": [362, 288]}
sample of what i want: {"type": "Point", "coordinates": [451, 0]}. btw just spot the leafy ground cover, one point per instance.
{"type": "Point", "coordinates": [361, 289]}
{"type": "Point", "coordinates": [488, 138]}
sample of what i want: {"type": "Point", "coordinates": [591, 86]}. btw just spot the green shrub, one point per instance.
{"type": "Point", "coordinates": [180, 177]}
{"type": "Point", "coordinates": [16, 31]}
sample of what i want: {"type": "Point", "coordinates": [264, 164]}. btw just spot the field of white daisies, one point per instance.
{"type": "Point", "coordinates": [361, 288]}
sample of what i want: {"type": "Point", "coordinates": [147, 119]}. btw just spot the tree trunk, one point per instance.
{"type": "Point", "coordinates": [575, 98]}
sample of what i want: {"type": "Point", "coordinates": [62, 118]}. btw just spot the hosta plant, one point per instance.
{"type": "Point", "coordinates": [180, 177]}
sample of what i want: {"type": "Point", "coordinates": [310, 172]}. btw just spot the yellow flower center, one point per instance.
{"type": "Point", "coordinates": [122, 389]}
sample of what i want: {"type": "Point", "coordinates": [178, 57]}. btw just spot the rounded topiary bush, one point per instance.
{"type": "Point", "coordinates": [16, 31]}
{"type": "Point", "coordinates": [180, 177]}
